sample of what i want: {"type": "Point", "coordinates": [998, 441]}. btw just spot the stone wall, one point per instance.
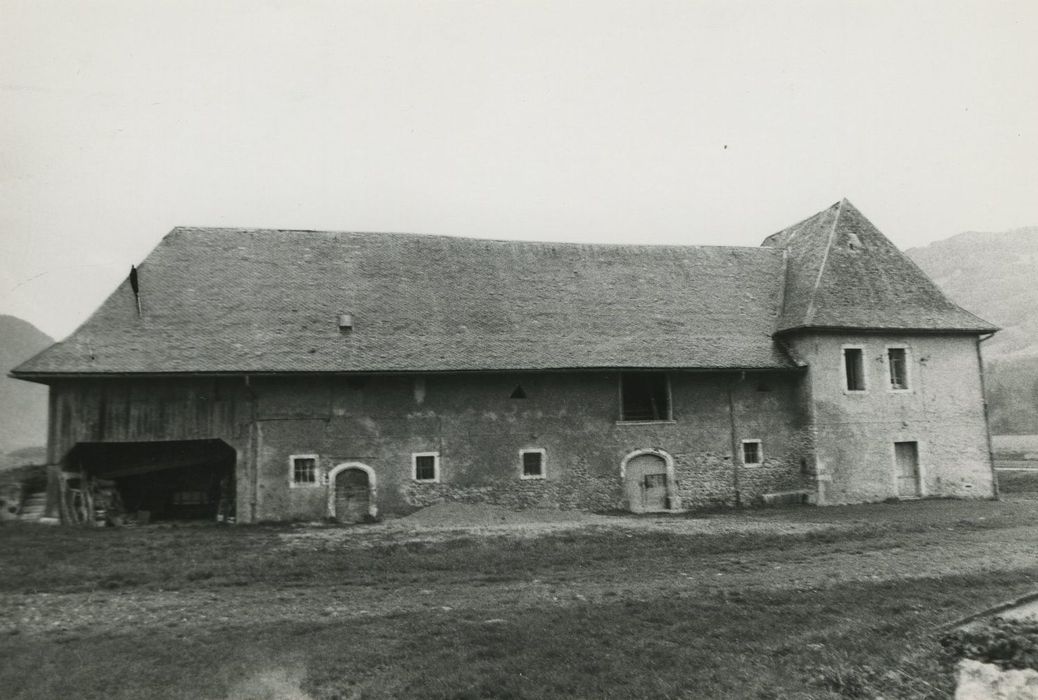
{"type": "Point", "coordinates": [478, 431]}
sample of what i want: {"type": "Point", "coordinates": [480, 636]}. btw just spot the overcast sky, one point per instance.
{"type": "Point", "coordinates": [645, 122]}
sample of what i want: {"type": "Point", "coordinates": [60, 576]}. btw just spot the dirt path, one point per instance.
{"type": "Point", "coordinates": [800, 565]}
{"type": "Point", "coordinates": [1027, 611]}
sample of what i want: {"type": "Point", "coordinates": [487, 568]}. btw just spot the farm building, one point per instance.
{"type": "Point", "coordinates": [280, 375]}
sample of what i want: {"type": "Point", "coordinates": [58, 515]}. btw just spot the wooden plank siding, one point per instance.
{"type": "Point", "coordinates": [152, 410]}
{"type": "Point", "coordinates": [112, 410]}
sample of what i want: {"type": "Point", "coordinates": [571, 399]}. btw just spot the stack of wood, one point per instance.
{"type": "Point", "coordinates": [33, 507]}
{"type": "Point", "coordinates": [90, 502]}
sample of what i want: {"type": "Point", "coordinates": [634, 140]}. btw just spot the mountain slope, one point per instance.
{"type": "Point", "coordinates": [995, 275]}
{"type": "Point", "coordinates": [23, 406]}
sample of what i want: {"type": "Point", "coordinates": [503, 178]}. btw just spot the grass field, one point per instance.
{"type": "Point", "coordinates": [790, 603]}
{"type": "Point", "coordinates": [1015, 446]}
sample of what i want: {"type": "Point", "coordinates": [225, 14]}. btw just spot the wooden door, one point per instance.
{"type": "Point", "coordinates": [906, 455]}
{"type": "Point", "coordinates": [352, 496]}
{"type": "Point", "coordinates": [646, 484]}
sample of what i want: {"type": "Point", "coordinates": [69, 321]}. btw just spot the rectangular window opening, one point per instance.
{"type": "Point", "coordinates": [533, 464]}
{"type": "Point", "coordinates": [854, 366]}
{"type": "Point", "coordinates": [426, 466]}
{"type": "Point", "coordinates": [644, 396]}
{"type": "Point", "coordinates": [304, 471]}
{"type": "Point", "coordinates": [897, 360]}
{"type": "Point", "coordinates": [751, 452]}
{"type": "Point", "coordinates": [655, 481]}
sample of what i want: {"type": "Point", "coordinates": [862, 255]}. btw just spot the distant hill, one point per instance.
{"type": "Point", "coordinates": [23, 406]}
{"type": "Point", "coordinates": [995, 275]}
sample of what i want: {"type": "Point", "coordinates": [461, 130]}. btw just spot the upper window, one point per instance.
{"type": "Point", "coordinates": [426, 466]}
{"type": "Point", "coordinates": [304, 470]}
{"type": "Point", "coordinates": [854, 368]}
{"type": "Point", "coordinates": [752, 454]}
{"type": "Point", "coordinates": [644, 396]}
{"type": "Point", "coordinates": [897, 362]}
{"type": "Point", "coordinates": [532, 464]}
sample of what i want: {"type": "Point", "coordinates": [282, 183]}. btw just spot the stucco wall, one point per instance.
{"type": "Point", "coordinates": [855, 432]}
{"type": "Point", "coordinates": [479, 431]}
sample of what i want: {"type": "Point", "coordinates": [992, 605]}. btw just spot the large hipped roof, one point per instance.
{"type": "Point", "coordinates": [254, 301]}
{"type": "Point", "coordinates": [233, 301]}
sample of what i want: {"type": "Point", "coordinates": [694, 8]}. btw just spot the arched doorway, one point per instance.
{"type": "Point", "coordinates": [351, 493]}
{"type": "Point", "coordinates": [649, 483]}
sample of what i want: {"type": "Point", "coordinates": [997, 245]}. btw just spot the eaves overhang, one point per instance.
{"type": "Point", "coordinates": [880, 330]}
{"type": "Point", "coordinates": [49, 377]}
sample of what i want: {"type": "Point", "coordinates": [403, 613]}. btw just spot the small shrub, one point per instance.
{"type": "Point", "coordinates": [1005, 643]}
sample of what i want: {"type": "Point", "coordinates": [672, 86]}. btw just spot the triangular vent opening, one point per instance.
{"type": "Point", "coordinates": [518, 392]}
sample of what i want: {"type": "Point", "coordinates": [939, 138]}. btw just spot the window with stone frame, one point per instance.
{"type": "Point", "coordinates": [426, 466]}
{"type": "Point", "coordinates": [854, 368]}
{"type": "Point", "coordinates": [532, 464]}
{"type": "Point", "coordinates": [752, 452]}
{"type": "Point", "coordinates": [304, 470]}
{"type": "Point", "coordinates": [897, 364]}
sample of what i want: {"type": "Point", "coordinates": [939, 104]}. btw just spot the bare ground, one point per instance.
{"type": "Point", "coordinates": [815, 548]}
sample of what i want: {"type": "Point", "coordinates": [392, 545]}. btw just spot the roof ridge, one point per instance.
{"type": "Point", "coordinates": [468, 239]}
{"type": "Point", "coordinates": [825, 258]}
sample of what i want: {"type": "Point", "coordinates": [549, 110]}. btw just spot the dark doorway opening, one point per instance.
{"type": "Point", "coordinates": [173, 480]}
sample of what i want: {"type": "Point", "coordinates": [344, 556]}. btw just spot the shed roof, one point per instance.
{"type": "Point", "coordinates": [252, 301]}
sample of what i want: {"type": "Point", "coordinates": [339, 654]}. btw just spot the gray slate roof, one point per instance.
{"type": "Point", "coordinates": [255, 301]}
{"type": "Point", "coordinates": [844, 273]}
{"type": "Point", "coordinates": [234, 300]}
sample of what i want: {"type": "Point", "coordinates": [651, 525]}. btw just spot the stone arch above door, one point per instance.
{"type": "Point", "coordinates": [333, 475]}
{"type": "Point", "coordinates": [642, 488]}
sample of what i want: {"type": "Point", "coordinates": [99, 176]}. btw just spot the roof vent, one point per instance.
{"type": "Point", "coordinates": [345, 322]}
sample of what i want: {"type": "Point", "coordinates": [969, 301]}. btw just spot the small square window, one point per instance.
{"type": "Point", "coordinates": [644, 396]}
{"type": "Point", "coordinates": [854, 368]}
{"type": "Point", "coordinates": [897, 362]}
{"type": "Point", "coordinates": [752, 453]}
{"type": "Point", "coordinates": [426, 466]}
{"type": "Point", "coordinates": [532, 463]}
{"type": "Point", "coordinates": [304, 470]}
